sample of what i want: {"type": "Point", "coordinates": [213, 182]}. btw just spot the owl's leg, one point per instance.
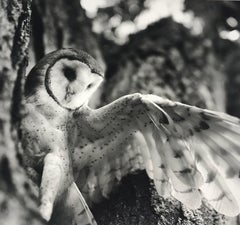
{"type": "Point", "coordinates": [54, 182]}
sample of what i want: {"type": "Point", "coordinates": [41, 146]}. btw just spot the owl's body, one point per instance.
{"type": "Point", "coordinates": [87, 141]}
{"type": "Point", "coordinates": [188, 152]}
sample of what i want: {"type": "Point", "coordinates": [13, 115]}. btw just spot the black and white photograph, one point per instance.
{"type": "Point", "coordinates": [119, 112]}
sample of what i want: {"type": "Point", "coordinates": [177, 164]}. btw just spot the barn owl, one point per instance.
{"type": "Point", "coordinates": [77, 154]}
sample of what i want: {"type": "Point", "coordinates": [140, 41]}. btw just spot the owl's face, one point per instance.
{"type": "Point", "coordinates": [72, 82]}
{"type": "Point", "coordinates": [67, 76]}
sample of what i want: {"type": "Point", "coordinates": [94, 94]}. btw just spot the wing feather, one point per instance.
{"type": "Point", "coordinates": [201, 149]}
{"type": "Point", "coordinates": [159, 169]}
{"type": "Point", "coordinates": [97, 182]}
{"type": "Point", "coordinates": [190, 153]}
{"type": "Point", "coordinates": [72, 209]}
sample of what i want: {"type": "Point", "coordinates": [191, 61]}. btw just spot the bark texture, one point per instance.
{"type": "Point", "coordinates": [17, 202]}
{"type": "Point", "coordinates": [62, 25]}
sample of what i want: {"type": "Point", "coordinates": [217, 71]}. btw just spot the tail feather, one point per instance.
{"type": "Point", "coordinates": [72, 209]}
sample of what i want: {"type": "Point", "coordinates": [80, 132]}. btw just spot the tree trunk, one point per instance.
{"type": "Point", "coordinates": [17, 202]}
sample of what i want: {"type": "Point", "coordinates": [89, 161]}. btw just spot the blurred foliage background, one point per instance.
{"type": "Point", "coordinates": [213, 25]}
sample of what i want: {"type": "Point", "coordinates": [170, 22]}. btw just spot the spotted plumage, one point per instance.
{"type": "Point", "coordinates": [77, 154]}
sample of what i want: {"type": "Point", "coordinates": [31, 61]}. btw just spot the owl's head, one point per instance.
{"type": "Point", "coordinates": [68, 76]}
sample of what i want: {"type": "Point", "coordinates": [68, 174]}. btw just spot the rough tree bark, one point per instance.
{"type": "Point", "coordinates": [62, 25]}
{"type": "Point", "coordinates": [17, 202]}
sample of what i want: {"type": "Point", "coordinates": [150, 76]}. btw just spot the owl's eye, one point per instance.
{"type": "Point", "coordinates": [89, 86]}
{"type": "Point", "coordinates": [70, 73]}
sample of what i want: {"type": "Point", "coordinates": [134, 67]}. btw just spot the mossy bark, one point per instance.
{"type": "Point", "coordinates": [18, 204]}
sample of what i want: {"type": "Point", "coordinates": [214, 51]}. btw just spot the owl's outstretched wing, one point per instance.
{"type": "Point", "coordinates": [195, 153]}
{"type": "Point", "coordinates": [189, 152]}
{"type": "Point", "coordinates": [96, 183]}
